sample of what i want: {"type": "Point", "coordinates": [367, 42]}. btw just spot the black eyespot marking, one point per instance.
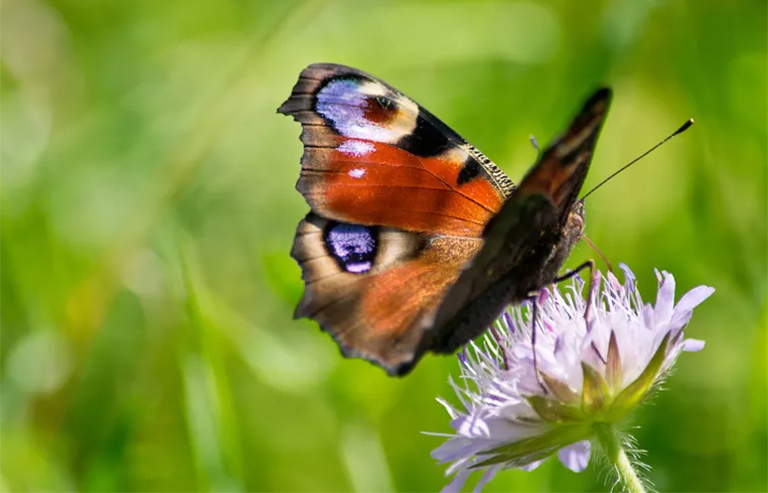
{"type": "Point", "coordinates": [352, 246]}
{"type": "Point", "coordinates": [426, 140]}
{"type": "Point", "coordinates": [469, 172]}
{"type": "Point", "coordinates": [385, 103]}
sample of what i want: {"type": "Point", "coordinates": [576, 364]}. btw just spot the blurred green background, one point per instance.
{"type": "Point", "coordinates": [148, 208]}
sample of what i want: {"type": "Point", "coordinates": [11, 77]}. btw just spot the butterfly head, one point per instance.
{"type": "Point", "coordinates": [574, 224]}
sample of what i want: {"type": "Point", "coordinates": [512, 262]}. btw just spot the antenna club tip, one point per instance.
{"type": "Point", "coordinates": [684, 127]}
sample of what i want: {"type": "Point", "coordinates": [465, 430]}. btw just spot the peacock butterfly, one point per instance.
{"type": "Point", "coordinates": [416, 241]}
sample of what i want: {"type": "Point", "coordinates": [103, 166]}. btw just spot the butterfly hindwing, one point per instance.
{"type": "Point", "coordinates": [371, 287]}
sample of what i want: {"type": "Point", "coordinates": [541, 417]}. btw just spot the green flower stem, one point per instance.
{"type": "Point", "coordinates": [609, 440]}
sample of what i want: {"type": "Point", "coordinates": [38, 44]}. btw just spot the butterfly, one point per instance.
{"type": "Point", "coordinates": [416, 241]}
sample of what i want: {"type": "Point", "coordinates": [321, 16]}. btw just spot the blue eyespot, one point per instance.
{"type": "Point", "coordinates": [353, 246]}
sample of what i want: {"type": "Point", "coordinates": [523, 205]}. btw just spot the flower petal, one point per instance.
{"type": "Point", "coordinates": [487, 476]}
{"type": "Point", "coordinates": [533, 465]}
{"type": "Point", "coordinates": [613, 281]}
{"type": "Point", "coordinates": [679, 321]}
{"type": "Point", "coordinates": [508, 322]}
{"type": "Point", "coordinates": [500, 429]}
{"type": "Point", "coordinates": [693, 345]}
{"type": "Point", "coordinates": [451, 411]}
{"type": "Point", "coordinates": [665, 300]}
{"type": "Point", "coordinates": [455, 448]}
{"type": "Point", "coordinates": [472, 426]}
{"type": "Point", "coordinates": [629, 276]}
{"type": "Point", "coordinates": [575, 457]}
{"type": "Point", "coordinates": [457, 482]}
{"type": "Point", "coordinates": [687, 303]}
{"type": "Point", "coordinates": [543, 296]}
{"type": "Point", "coordinates": [648, 315]}
{"type": "Point", "coordinates": [694, 297]}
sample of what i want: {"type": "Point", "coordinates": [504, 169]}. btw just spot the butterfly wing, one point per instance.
{"type": "Point", "coordinates": [526, 243]}
{"type": "Point", "coordinates": [399, 204]}
{"type": "Point", "coordinates": [372, 287]}
{"type": "Point", "coordinates": [374, 156]}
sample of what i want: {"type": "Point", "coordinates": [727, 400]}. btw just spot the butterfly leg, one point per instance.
{"type": "Point", "coordinates": [593, 280]}
{"type": "Point", "coordinates": [499, 340]}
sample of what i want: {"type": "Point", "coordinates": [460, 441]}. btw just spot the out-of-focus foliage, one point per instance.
{"type": "Point", "coordinates": [148, 210]}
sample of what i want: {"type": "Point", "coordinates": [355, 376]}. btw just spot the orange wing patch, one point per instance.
{"type": "Point", "coordinates": [375, 183]}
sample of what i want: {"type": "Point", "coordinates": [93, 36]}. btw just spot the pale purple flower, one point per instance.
{"type": "Point", "coordinates": [595, 372]}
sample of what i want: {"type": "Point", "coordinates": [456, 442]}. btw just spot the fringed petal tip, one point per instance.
{"type": "Point", "coordinates": [693, 345]}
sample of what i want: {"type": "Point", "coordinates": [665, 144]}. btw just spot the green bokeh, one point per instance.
{"type": "Point", "coordinates": [148, 208]}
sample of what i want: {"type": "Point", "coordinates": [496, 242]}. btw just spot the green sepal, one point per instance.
{"type": "Point", "coordinates": [631, 396]}
{"type": "Point", "coordinates": [536, 447]}
{"type": "Point", "coordinates": [555, 412]}
{"type": "Point", "coordinates": [594, 393]}
{"type": "Point", "coordinates": [561, 390]}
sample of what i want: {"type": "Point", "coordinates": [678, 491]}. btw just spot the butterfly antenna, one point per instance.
{"type": "Point", "coordinates": [680, 130]}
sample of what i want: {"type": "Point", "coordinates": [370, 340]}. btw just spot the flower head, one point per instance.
{"type": "Point", "coordinates": [515, 413]}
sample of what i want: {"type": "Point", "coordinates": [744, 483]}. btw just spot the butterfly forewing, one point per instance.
{"type": "Point", "coordinates": [373, 156]}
